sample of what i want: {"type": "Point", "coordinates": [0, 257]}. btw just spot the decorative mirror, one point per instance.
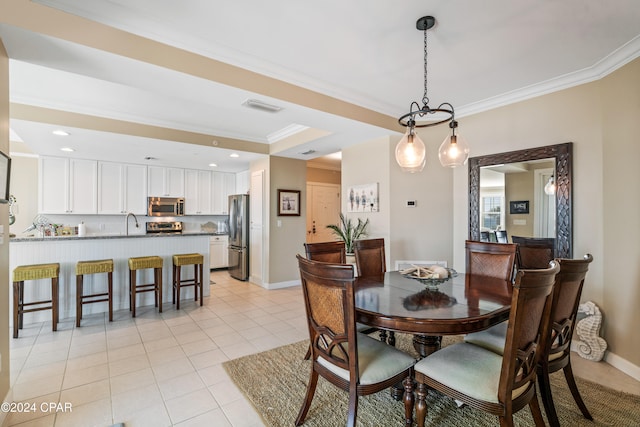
{"type": "Point", "coordinates": [561, 154]}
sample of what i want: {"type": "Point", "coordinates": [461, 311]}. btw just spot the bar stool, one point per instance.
{"type": "Point", "coordinates": [34, 272]}
{"type": "Point", "coordinates": [141, 263]}
{"type": "Point", "coordinates": [93, 267]}
{"type": "Point", "coordinates": [197, 260]}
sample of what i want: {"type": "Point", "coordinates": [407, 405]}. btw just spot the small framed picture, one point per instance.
{"type": "Point", "coordinates": [288, 202]}
{"type": "Point", "coordinates": [519, 207]}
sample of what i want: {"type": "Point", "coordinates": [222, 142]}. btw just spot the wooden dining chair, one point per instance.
{"type": "Point", "coordinates": [557, 333]}
{"type": "Point", "coordinates": [349, 360]}
{"type": "Point", "coordinates": [370, 260]}
{"type": "Point", "coordinates": [494, 383]}
{"type": "Point", "coordinates": [534, 252]}
{"type": "Point", "coordinates": [334, 252]}
{"type": "Point", "coordinates": [501, 236]}
{"type": "Point", "coordinates": [489, 259]}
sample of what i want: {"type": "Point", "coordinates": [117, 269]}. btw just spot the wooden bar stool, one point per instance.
{"type": "Point", "coordinates": [93, 267]}
{"type": "Point", "coordinates": [34, 272]}
{"type": "Point", "coordinates": [141, 263]}
{"type": "Point", "coordinates": [197, 260]}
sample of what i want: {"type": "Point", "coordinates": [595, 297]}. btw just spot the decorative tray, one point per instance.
{"type": "Point", "coordinates": [431, 276]}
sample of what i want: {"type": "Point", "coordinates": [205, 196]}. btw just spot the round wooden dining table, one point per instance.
{"type": "Point", "coordinates": [462, 304]}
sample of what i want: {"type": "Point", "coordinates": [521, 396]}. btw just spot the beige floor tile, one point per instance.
{"type": "Point", "coordinates": [190, 337]}
{"type": "Point", "coordinates": [164, 355]}
{"type": "Point", "coordinates": [208, 358]}
{"type": "Point", "coordinates": [86, 393]}
{"type": "Point", "coordinates": [132, 401]}
{"type": "Point", "coordinates": [225, 392]}
{"type": "Point", "coordinates": [153, 416]}
{"type": "Point", "coordinates": [213, 375]}
{"type": "Point", "coordinates": [181, 385]}
{"type": "Point", "coordinates": [85, 376]}
{"type": "Point", "coordinates": [197, 347]}
{"type": "Point", "coordinates": [238, 350]}
{"type": "Point", "coordinates": [15, 418]}
{"type": "Point", "coordinates": [93, 359]}
{"type": "Point", "coordinates": [96, 413]}
{"type": "Point", "coordinates": [241, 414]}
{"type": "Point", "coordinates": [119, 353]}
{"type": "Point", "coordinates": [132, 381]}
{"type": "Point", "coordinates": [173, 369]}
{"type": "Point", "coordinates": [152, 345]}
{"type": "Point", "coordinates": [42, 371]}
{"type": "Point", "coordinates": [46, 421]}
{"type": "Point", "coordinates": [214, 418]}
{"type": "Point", "coordinates": [129, 364]}
{"type": "Point", "coordinates": [38, 387]}
{"type": "Point", "coordinates": [190, 405]}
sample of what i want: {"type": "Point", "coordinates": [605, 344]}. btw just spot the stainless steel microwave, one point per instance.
{"type": "Point", "coordinates": [166, 206]}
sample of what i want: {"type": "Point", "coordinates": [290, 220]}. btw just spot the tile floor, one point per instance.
{"type": "Point", "coordinates": [165, 369]}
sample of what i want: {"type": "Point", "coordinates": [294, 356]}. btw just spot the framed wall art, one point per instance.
{"type": "Point", "coordinates": [363, 198]}
{"type": "Point", "coordinates": [288, 202]}
{"type": "Point", "coordinates": [519, 207]}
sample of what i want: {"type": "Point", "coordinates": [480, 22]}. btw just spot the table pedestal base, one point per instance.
{"type": "Point", "coordinates": [426, 344]}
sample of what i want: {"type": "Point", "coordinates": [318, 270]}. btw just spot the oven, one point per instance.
{"type": "Point", "coordinates": [164, 227]}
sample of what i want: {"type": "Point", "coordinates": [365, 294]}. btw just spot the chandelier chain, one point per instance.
{"type": "Point", "coordinates": [425, 97]}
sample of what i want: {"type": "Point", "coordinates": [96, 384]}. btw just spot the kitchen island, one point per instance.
{"type": "Point", "coordinates": [68, 250]}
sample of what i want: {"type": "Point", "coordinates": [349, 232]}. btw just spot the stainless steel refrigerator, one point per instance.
{"type": "Point", "coordinates": [239, 236]}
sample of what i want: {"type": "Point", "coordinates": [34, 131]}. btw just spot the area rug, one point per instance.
{"type": "Point", "coordinates": [275, 383]}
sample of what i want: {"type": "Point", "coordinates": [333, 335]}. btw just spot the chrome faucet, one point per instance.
{"type": "Point", "coordinates": [126, 222]}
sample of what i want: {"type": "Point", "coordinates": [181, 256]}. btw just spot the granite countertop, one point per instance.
{"type": "Point", "coordinates": [114, 236]}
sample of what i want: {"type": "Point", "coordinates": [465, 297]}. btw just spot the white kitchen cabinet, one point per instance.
{"type": "Point", "coordinates": [122, 188]}
{"type": "Point", "coordinates": [67, 186]}
{"type": "Point", "coordinates": [242, 182]}
{"type": "Point", "coordinates": [223, 184]}
{"type": "Point", "coordinates": [219, 252]}
{"type": "Point", "coordinates": [197, 192]}
{"type": "Point", "coordinates": [165, 181]}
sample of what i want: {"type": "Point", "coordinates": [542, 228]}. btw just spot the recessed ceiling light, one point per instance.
{"type": "Point", "coordinates": [61, 132]}
{"type": "Point", "coordinates": [213, 165]}
{"type": "Point", "coordinates": [234, 155]}
{"type": "Point", "coordinates": [67, 149]}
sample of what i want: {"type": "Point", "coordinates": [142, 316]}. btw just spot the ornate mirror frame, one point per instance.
{"type": "Point", "coordinates": [563, 155]}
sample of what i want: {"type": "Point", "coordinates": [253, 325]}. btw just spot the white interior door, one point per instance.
{"type": "Point", "coordinates": [323, 208]}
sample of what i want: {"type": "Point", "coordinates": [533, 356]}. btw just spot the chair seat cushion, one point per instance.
{"type": "Point", "coordinates": [492, 339]}
{"type": "Point", "coordinates": [377, 361]}
{"type": "Point", "coordinates": [472, 370]}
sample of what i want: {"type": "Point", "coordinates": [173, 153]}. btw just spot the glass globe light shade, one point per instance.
{"type": "Point", "coordinates": [454, 151]}
{"type": "Point", "coordinates": [550, 187]}
{"type": "Point", "coordinates": [411, 153]}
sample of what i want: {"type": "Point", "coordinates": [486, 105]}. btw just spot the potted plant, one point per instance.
{"type": "Point", "coordinates": [348, 232]}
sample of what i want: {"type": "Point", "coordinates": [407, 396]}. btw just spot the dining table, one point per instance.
{"type": "Point", "coordinates": [460, 305]}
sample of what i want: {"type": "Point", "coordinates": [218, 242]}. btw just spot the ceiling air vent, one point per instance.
{"type": "Point", "coordinates": [306, 153]}
{"type": "Point", "coordinates": [259, 105]}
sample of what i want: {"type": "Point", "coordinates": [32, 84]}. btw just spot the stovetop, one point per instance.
{"type": "Point", "coordinates": [169, 227]}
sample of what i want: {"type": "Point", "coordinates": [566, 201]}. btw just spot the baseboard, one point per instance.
{"type": "Point", "coordinates": [281, 285]}
{"type": "Point", "coordinates": [620, 363]}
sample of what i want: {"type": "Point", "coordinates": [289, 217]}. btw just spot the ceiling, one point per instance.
{"type": "Point", "coordinates": [130, 79]}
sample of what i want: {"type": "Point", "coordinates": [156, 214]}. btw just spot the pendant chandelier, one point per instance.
{"type": "Point", "coordinates": [410, 151]}
{"type": "Point", "coordinates": [550, 186]}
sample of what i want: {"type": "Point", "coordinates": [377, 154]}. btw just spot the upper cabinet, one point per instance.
{"type": "Point", "coordinates": [122, 188]}
{"type": "Point", "coordinates": [197, 192]}
{"type": "Point", "coordinates": [165, 181]}
{"type": "Point", "coordinates": [242, 182]}
{"type": "Point", "coordinates": [67, 186]}
{"type": "Point", "coordinates": [223, 184]}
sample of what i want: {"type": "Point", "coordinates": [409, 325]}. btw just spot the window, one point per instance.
{"type": "Point", "coordinates": [491, 212]}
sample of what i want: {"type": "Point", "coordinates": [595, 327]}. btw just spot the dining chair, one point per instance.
{"type": "Point", "coordinates": [534, 252]}
{"type": "Point", "coordinates": [496, 260]}
{"type": "Point", "coordinates": [494, 383]}
{"type": "Point", "coordinates": [349, 360]}
{"type": "Point", "coordinates": [558, 333]}
{"type": "Point", "coordinates": [370, 262]}
{"type": "Point", "coordinates": [501, 236]}
{"type": "Point", "coordinates": [334, 252]}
